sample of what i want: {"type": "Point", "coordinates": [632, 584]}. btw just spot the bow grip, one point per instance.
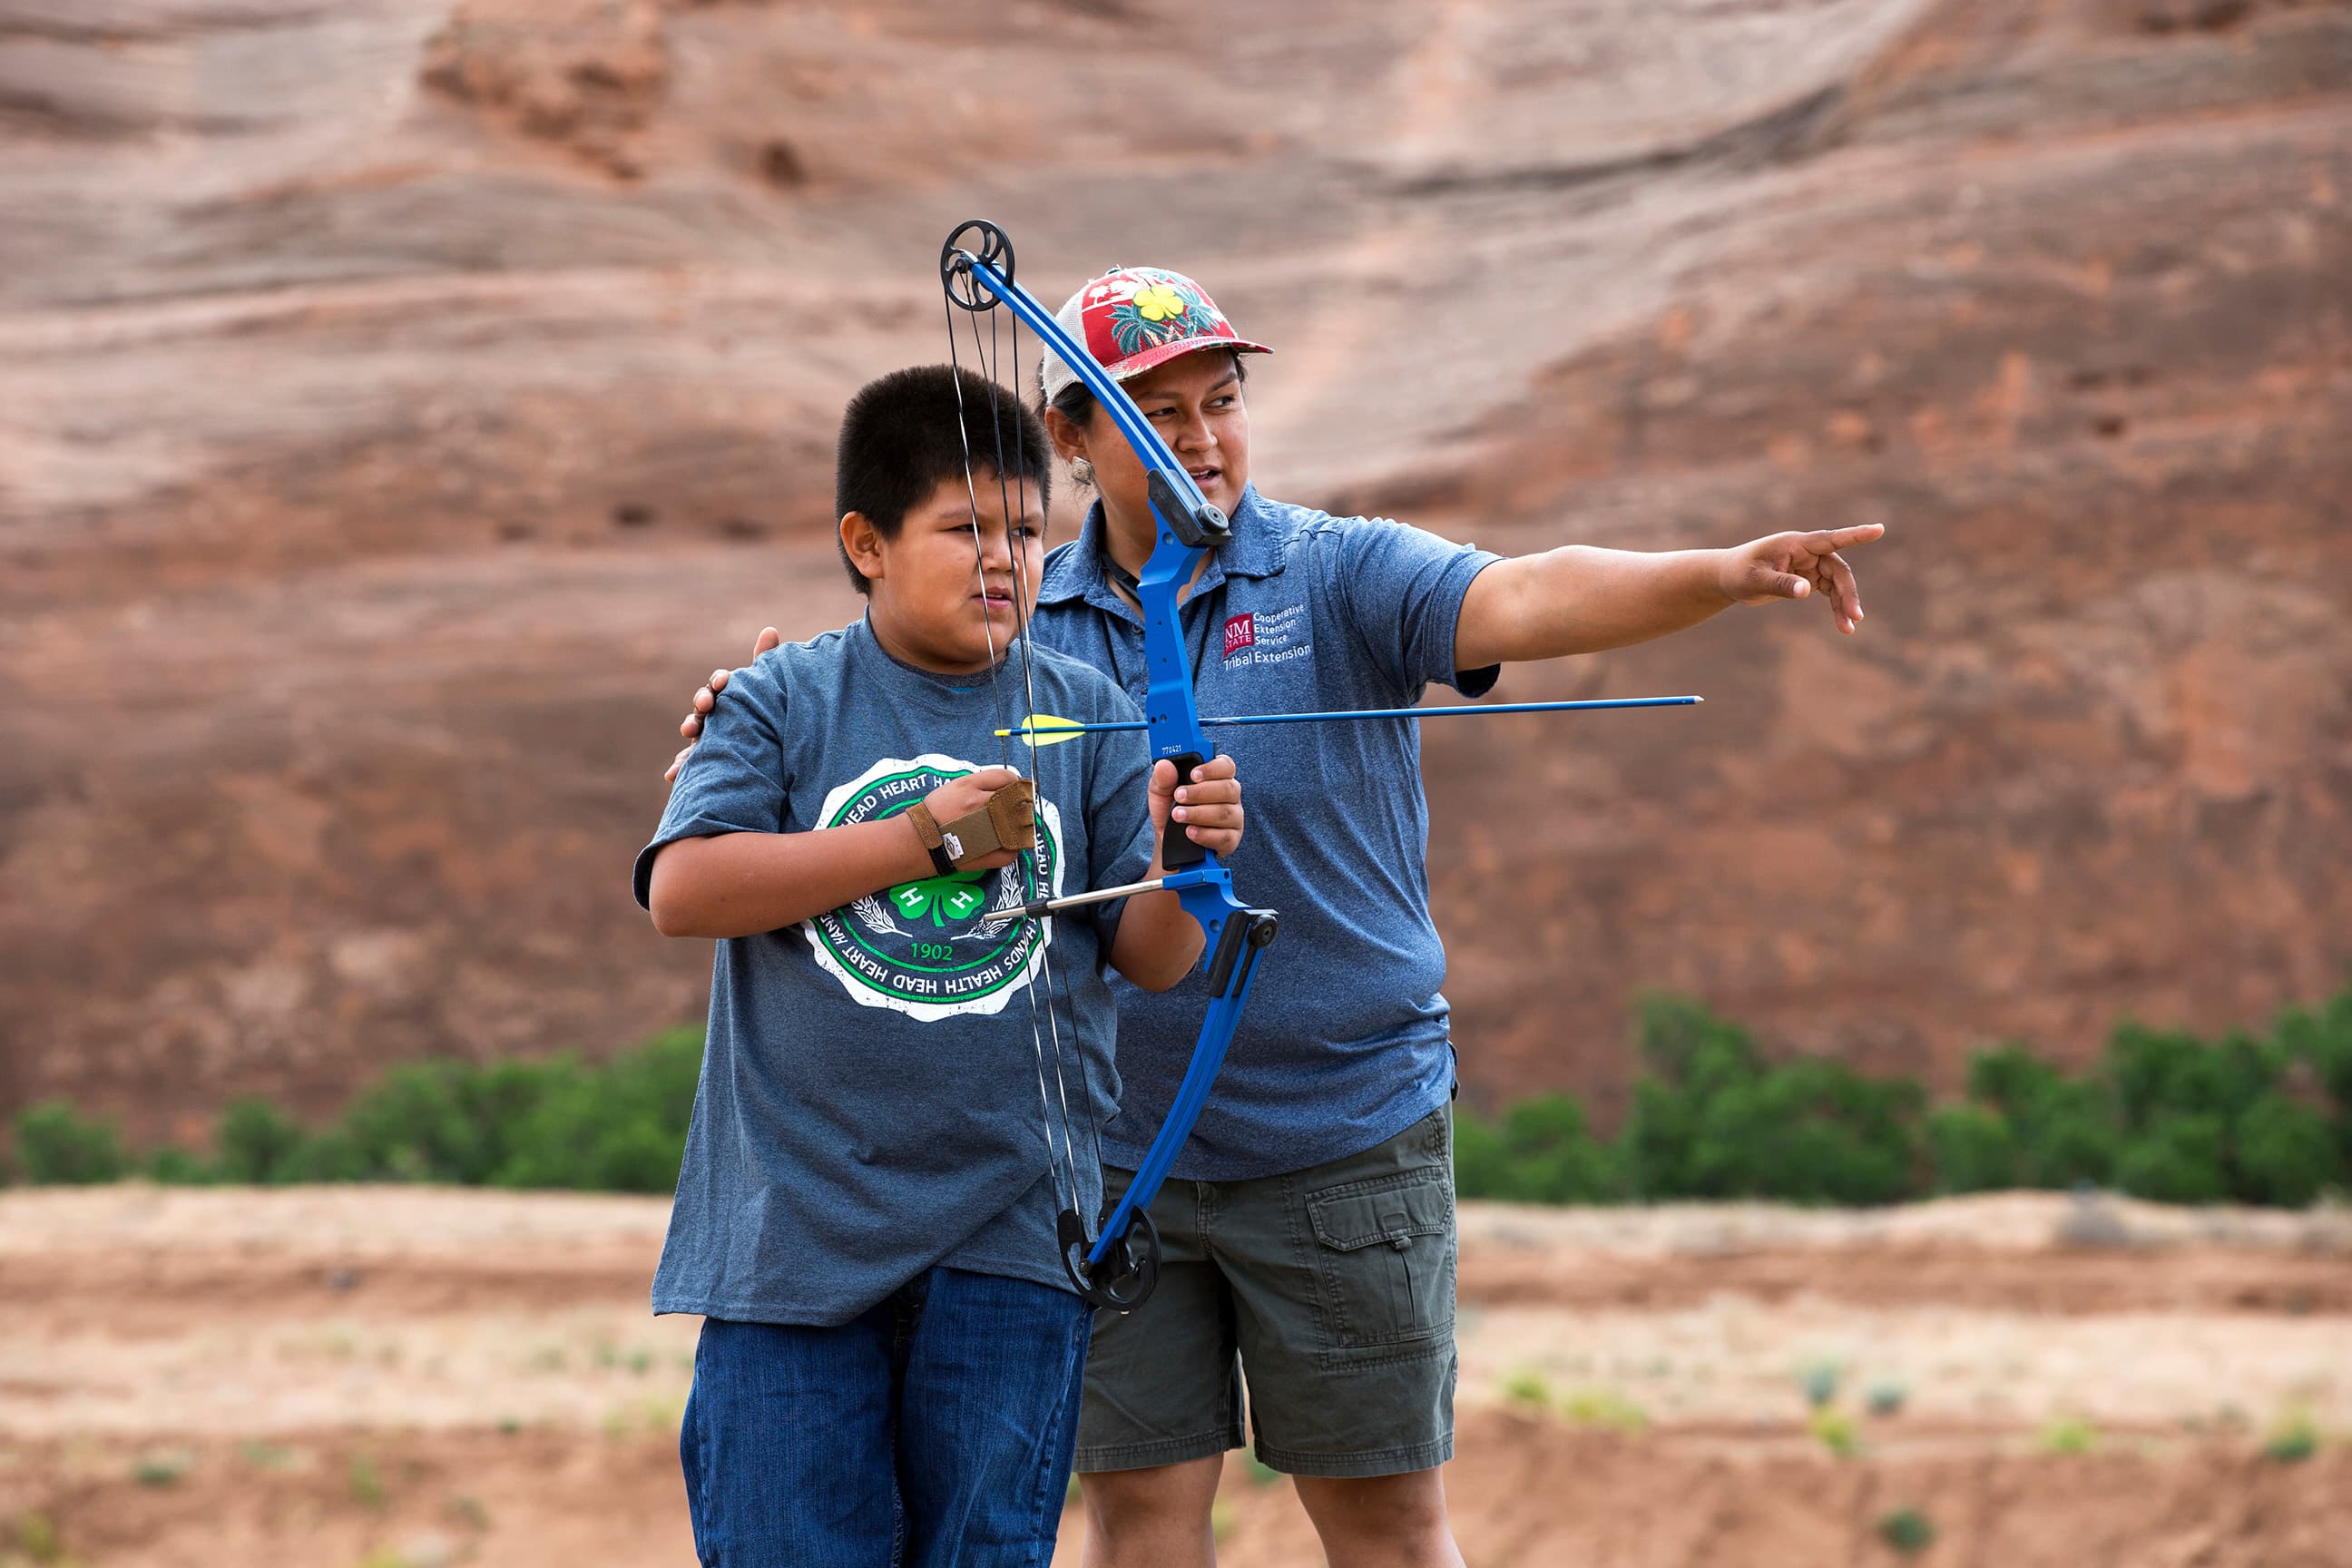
{"type": "Point", "coordinates": [1176, 850]}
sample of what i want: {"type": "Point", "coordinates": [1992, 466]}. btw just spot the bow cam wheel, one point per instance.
{"type": "Point", "coordinates": [994, 251]}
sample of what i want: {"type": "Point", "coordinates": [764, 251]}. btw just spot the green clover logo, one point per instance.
{"type": "Point", "coordinates": [940, 897]}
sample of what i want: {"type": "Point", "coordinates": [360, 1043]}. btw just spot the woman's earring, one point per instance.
{"type": "Point", "coordinates": [1082, 470]}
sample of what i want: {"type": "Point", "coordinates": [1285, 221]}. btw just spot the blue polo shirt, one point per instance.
{"type": "Point", "coordinates": [1344, 1043]}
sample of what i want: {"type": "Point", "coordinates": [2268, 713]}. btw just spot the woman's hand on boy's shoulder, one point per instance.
{"type": "Point", "coordinates": [705, 698]}
{"type": "Point", "coordinates": [1208, 806]}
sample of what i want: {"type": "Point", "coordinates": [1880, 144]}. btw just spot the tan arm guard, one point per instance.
{"type": "Point", "coordinates": [1009, 821]}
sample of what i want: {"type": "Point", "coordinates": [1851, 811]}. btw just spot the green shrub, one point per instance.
{"type": "Point", "coordinates": [619, 1129]}
{"type": "Point", "coordinates": [2180, 1158]}
{"type": "Point", "coordinates": [1907, 1531]}
{"type": "Point", "coordinates": [54, 1145]}
{"type": "Point", "coordinates": [1716, 1122]}
{"type": "Point", "coordinates": [1540, 1153]}
{"type": "Point", "coordinates": [256, 1144]}
{"type": "Point", "coordinates": [2286, 1153]}
{"type": "Point", "coordinates": [2064, 1129]}
{"type": "Point", "coordinates": [2155, 1071]}
{"type": "Point", "coordinates": [1970, 1148]}
{"type": "Point", "coordinates": [2163, 1115]}
{"type": "Point", "coordinates": [174, 1166]}
{"type": "Point", "coordinates": [446, 1121]}
{"type": "Point", "coordinates": [2322, 1038]}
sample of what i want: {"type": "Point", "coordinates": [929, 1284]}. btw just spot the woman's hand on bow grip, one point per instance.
{"type": "Point", "coordinates": [1207, 807]}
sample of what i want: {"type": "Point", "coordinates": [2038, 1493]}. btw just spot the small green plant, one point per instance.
{"type": "Point", "coordinates": [1528, 1389]}
{"type": "Point", "coordinates": [1820, 1382]}
{"type": "Point", "coordinates": [1835, 1430]}
{"type": "Point", "coordinates": [266, 1456]}
{"type": "Point", "coordinates": [1907, 1531]}
{"type": "Point", "coordinates": [1223, 1517]}
{"type": "Point", "coordinates": [2294, 1438]}
{"type": "Point", "coordinates": [38, 1541]}
{"type": "Point", "coordinates": [509, 1425]}
{"type": "Point", "coordinates": [1605, 1408]}
{"type": "Point", "coordinates": [366, 1485]}
{"type": "Point", "coordinates": [1886, 1397]}
{"type": "Point", "coordinates": [163, 1467]}
{"type": "Point", "coordinates": [468, 1512]}
{"type": "Point", "coordinates": [2069, 1435]}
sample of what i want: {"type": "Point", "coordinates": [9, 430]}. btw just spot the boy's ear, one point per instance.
{"type": "Point", "coordinates": [862, 541]}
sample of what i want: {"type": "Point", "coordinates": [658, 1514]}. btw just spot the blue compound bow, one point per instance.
{"type": "Point", "coordinates": [1117, 1263]}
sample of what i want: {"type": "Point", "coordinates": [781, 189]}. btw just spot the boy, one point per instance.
{"type": "Point", "coordinates": [890, 1361]}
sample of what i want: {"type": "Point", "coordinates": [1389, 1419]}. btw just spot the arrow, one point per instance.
{"type": "Point", "coordinates": [1048, 731]}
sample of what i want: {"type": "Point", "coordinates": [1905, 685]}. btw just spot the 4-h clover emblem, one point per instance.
{"type": "Point", "coordinates": [928, 948]}
{"type": "Point", "coordinates": [942, 899]}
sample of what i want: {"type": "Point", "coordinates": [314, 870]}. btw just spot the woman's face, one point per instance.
{"type": "Point", "coordinates": [1195, 400]}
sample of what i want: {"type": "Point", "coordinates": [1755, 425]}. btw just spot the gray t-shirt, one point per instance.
{"type": "Point", "coordinates": [870, 1103]}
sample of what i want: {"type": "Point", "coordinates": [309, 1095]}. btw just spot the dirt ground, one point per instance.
{"type": "Point", "coordinates": [405, 1378]}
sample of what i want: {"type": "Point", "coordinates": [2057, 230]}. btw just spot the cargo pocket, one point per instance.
{"type": "Point", "coordinates": [1384, 1251]}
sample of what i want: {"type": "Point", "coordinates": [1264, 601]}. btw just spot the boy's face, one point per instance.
{"type": "Point", "coordinates": [932, 606]}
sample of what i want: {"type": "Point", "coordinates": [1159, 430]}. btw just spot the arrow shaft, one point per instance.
{"type": "Point", "coordinates": [1345, 714]}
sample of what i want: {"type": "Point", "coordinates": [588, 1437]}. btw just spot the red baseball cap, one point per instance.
{"type": "Point", "coordinates": [1133, 318]}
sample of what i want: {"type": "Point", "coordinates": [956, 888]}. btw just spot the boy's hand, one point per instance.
{"type": "Point", "coordinates": [962, 797]}
{"type": "Point", "coordinates": [1791, 565]}
{"type": "Point", "coordinates": [1208, 806]}
{"type": "Point", "coordinates": [705, 698]}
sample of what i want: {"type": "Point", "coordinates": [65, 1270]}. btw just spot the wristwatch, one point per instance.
{"type": "Point", "coordinates": [926, 829]}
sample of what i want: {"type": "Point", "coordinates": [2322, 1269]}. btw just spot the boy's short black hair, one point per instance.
{"type": "Point", "coordinates": [899, 439]}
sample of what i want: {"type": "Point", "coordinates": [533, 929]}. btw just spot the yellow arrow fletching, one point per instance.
{"type": "Point", "coordinates": [1046, 730]}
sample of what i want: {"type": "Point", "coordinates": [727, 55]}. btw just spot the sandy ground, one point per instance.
{"type": "Point", "coordinates": [403, 1378]}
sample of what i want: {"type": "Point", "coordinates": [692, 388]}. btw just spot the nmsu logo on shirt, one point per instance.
{"type": "Point", "coordinates": [1241, 632]}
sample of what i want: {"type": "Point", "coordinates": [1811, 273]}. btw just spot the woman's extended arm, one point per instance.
{"type": "Point", "coordinates": [1582, 599]}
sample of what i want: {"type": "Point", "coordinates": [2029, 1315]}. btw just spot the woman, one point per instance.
{"type": "Point", "coordinates": [1308, 1228]}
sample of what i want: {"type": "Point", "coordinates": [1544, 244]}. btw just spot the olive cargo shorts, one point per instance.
{"type": "Point", "coordinates": [1331, 1288]}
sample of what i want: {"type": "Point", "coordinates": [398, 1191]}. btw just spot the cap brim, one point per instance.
{"type": "Point", "coordinates": [1152, 358]}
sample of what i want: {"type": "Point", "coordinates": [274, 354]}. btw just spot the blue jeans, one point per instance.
{"type": "Point", "coordinates": [934, 1430]}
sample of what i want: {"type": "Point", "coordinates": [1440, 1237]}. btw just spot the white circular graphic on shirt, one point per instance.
{"type": "Point", "coordinates": [928, 948]}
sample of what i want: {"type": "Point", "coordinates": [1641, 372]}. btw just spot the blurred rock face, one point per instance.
{"type": "Point", "coordinates": [401, 404]}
